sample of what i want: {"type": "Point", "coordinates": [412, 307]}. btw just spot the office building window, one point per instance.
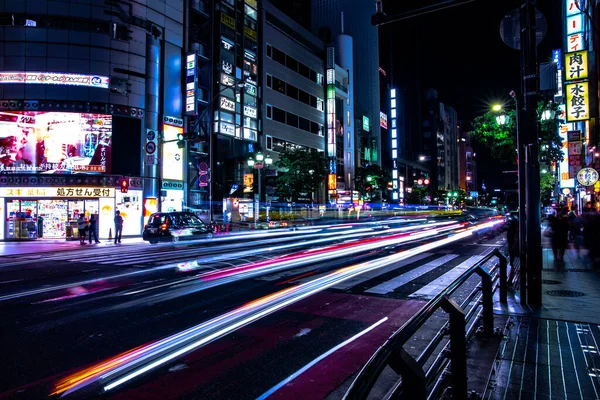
{"type": "Point", "coordinates": [291, 63]}
{"type": "Point", "coordinates": [278, 115]}
{"type": "Point", "coordinates": [304, 124]}
{"type": "Point", "coordinates": [269, 143]}
{"type": "Point", "coordinates": [292, 92]}
{"type": "Point", "coordinates": [292, 120]}
{"type": "Point", "coordinates": [278, 85]}
{"type": "Point", "coordinates": [294, 65]}
{"type": "Point", "coordinates": [279, 56]}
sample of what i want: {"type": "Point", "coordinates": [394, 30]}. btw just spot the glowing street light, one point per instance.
{"type": "Point", "coordinates": [258, 165]}
{"type": "Point", "coordinates": [497, 107]}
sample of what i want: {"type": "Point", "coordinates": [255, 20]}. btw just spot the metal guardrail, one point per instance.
{"type": "Point", "coordinates": [414, 379]}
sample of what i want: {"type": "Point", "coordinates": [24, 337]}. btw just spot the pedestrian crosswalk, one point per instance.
{"type": "Point", "coordinates": [422, 276]}
{"type": "Point", "coordinates": [393, 284]}
{"type": "Point", "coordinates": [434, 287]}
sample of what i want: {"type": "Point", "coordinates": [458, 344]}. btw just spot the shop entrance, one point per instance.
{"type": "Point", "coordinates": [52, 219]}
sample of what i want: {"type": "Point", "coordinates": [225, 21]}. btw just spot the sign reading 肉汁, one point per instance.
{"type": "Point", "coordinates": [75, 192]}
{"type": "Point", "coordinates": [55, 78]}
{"type": "Point", "coordinates": [576, 65]}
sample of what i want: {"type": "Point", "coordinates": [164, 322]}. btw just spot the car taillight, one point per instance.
{"type": "Point", "coordinates": [163, 227]}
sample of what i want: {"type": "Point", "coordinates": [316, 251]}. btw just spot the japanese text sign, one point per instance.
{"type": "Point", "coordinates": [578, 105]}
{"type": "Point", "coordinates": [576, 65]}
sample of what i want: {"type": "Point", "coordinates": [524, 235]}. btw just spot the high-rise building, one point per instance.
{"type": "Point", "coordinates": [224, 36]}
{"type": "Point", "coordinates": [293, 100]}
{"type": "Point", "coordinates": [467, 164]}
{"type": "Point", "coordinates": [353, 18]}
{"type": "Point", "coordinates": [87, 90]}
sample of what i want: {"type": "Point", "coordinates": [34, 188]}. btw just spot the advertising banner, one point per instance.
{"type": "Point", "coordinates": [54, 78]}
{"type": "Point", "coordinates": [54, 142]}
{"type": "Point", "coordinates": [172, 157]}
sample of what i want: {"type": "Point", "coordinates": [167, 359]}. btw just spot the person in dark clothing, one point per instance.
{"type": "Point", "coordinates": [512, 241]}
{"type": "Point", "coordinates": [512, 238]}
{"type": "Point", "coordinates": [118, 227]}
{"type": "Point", "coordinates": [560, 234]}
{"type": "Point", "coordinates": [92, 229]}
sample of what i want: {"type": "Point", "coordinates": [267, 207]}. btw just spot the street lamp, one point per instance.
{"type": "Point", "coordinates": [258, 164]}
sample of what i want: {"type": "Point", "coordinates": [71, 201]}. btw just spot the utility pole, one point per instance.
{"type": "Point", "coordinates": [529, 128]}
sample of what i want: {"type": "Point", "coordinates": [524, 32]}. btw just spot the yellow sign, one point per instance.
{"type": "Point", "coordinates": [227, 20]}
{"type": "Point", "coordinates": [578, 101]}
{"type": "Point", "coordinates": [248, 183]}
{"type": "Point", "coordinates": [250, 33]}
{"type": "Point", "coordinates": [576, 65]}
{"type": "Point", "coordinates": [332, 182]}
{"type": "Point", "coordinates": [64, 192]}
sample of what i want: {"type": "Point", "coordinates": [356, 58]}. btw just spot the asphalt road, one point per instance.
{"type": "Point", "coordinates": [288, 314]}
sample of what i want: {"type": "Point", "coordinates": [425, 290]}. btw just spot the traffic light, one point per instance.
{"type": "Point", "coordinates": [124, 185]}
{"type": "Point", "coordinates": [180, 140]}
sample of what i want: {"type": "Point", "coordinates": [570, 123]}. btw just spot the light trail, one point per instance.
{"type": "Point", "coordinates": [121, 369]}
{"type": "Point", "coordinates": [318, 359]}
{"type": "Point", "coordinates": [196, 264]}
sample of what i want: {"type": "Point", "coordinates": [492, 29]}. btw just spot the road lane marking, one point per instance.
{"type": "Point", "coordinates": [318, 359]}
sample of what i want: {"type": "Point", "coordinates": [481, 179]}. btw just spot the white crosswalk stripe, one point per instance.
{"type": "Point", "coordinates": [434, 287]}
{"type": "Point", "coordinates": [357, 280]}
{"type": "Point", "coordinates": [393, 284]}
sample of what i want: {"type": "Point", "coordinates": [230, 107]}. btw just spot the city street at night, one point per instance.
{"type": "Point", "coordinates": [165, 321]}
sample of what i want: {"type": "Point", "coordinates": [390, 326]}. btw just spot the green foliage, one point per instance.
{"type": "Point", "coordinates": [418, 195]}
{"type": "Point", "coordinates": [372, 177]}
{"type": "Point", "coordinates": [502, 139]}
{"type": "Point", "coordinates": [301, 171]}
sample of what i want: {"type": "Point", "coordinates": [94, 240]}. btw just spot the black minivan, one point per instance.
{"type": "Point", "coordinates": [175, 226]}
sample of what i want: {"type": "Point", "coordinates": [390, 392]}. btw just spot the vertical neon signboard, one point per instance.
{"type": "Point", "coordinates": [397, 179]}
{"type": "Point", "coordinates": [331, 110]}
{"type": "Point", "coordinates": [190, 84]}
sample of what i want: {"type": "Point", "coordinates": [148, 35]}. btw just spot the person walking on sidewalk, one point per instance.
{"type": "Point", "coordinates": [92, 228]}
{"type": "Point", "coordinates": [118, 227]}
{"type": "Point", "coordinates": [81, 228]}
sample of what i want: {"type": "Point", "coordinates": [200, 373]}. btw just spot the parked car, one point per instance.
{"type": "Point", "coordinates": [175, 226]}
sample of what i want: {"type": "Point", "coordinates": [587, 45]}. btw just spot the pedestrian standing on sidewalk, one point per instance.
{"type": "Point", "coordinates": [92, 228]}
{"type": "Point", "coordinates": [575, 231]}
{"type": "Point", "coordinates": [560, 234]}
{"type": "Point", "coordinates": [118, 227]}
{"type": "Point", "coordinates": [81, 228]}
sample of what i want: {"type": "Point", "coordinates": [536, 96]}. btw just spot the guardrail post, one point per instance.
{"type": "Point", "coordinates": [458, 349]}
{"type": "Point", "coordinates": [487, 291]}
{"type": "Point", "coordinates": [414, 381]}
{"type": "Point", "coordinates": [503, 273]}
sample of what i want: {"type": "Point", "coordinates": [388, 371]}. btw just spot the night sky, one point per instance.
{"type": "Point", "coordinates": [459, 52]}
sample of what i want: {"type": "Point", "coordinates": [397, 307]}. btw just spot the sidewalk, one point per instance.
{"type": "Point", "coordinates": [552, 352]}
{"type": "Point", "coordinates": [11, 248]}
